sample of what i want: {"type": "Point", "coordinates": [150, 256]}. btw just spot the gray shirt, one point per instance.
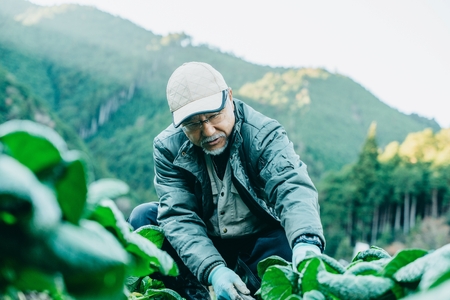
{"type": "Point", "coordinates": [231, 217]}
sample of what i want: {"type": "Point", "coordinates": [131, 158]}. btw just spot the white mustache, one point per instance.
{"type": "Point", "coordinates": [212, 138]}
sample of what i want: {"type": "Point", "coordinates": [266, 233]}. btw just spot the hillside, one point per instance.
{"type": "Point", "coordinates": [19, 103]}
{"type": "Point", "coordinates": [106, 78]}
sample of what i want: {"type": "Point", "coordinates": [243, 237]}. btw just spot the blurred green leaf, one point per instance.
{"type": "Point", "coordinates": [312, 295]}
{"type": "Point", "coordinates": [363, 268]}
{"type": "Point", "coordinates": [37, 280]}
{"type": "Point", "coordinates": [107, 188]}
{"type": "Point", "coordinates": [109, 216]}
{"type": "Point", "coordinates": [163, 294]}
{"type": "Point", "coordinates": [90, 258]}
{"type": "Point", "coordinates": [374, 253]}
{"type": "Point", "coordinates": [154, 234]}
{"type": "Point", "coordinates": [401, 259]}
{"type": "Point", "coordinates": [36, 146]}
{"type": "Point", "coordinates": [294, 297]}
{"type": "Point", "coordinates": [150, 283]}
{"type": "Point", "coordinates": [28, 210]}
{"type": "Point", "coordinates": [148, 258]}
{"type": "Point", "coordinates": [71, 186]}
{"type": "Point", "coordinates": [437, 268]}
{"type": "Point", "coordinates": [331, 265]}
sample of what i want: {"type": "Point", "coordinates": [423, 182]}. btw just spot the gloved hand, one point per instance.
{"type": "Point", "coordinates": [227, 284]}
{"type": "Point", "coordinates": [299, 253]}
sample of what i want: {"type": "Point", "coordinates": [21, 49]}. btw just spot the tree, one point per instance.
{"type": "Point", "coordinates": [365, 177]}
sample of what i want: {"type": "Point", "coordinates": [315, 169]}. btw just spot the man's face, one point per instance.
{"type": "Point", "coordinates": [213, 135]}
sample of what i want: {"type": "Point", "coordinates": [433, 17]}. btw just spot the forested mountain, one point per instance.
{"type": "Point", "coordinates": [105, 77]}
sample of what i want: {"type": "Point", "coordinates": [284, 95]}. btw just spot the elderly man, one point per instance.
{"type": "Point", "coordinates": [232, 191]}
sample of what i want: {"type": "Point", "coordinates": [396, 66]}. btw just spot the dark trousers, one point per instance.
{"type": "Point", "coordinates": [240, 254]}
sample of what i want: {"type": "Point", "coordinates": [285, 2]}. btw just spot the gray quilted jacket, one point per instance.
{"type": "Point", "coordinates": [266, 171]}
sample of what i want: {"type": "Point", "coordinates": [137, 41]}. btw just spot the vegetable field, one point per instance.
{"type": "Point", "coordinates": [373, 274]}
{"type": "Point", "coordinates": [62, 234]}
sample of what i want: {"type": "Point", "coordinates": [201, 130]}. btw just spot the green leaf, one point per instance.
{"type": "Point", "coordinates": [364, 268]}
{"type": "Point", "coordinates": [28, 211]}
{"type": "Point", "coordinates": [401, 259]}
{"type": "Point", "coordinates": [149, 283]}
{"type": "Point", "coordinates": [352, 287]}
{"type": "Point", "coordinates": [107, 188]}
{"type": "Point", "coordinates": [91, 260]}
{"type": "Point", "coordinates": [36, 146]}
{"type": "Point", "coordinates": [154, 234]}
{"type": "Point", "coordinates": [272, 260]}
{"type": "Point", "coordinates": [374, 253]}
{"type": "Point", "coordinates": [437, 268]}
{"type": "Point", "coordinates": [162, 294]}
{"type": "Point", "coordinates": [294, 297]}
{"type": "Point", "coordinates": [309, 275]}
{"type": "Point", "coordinates": [332, 265]}
{"type": "Point", "coordinates": [413, 271]}
{"type": "Point", "coordinates": [438, 293]}
{"type": "Point", "coordinates": [71, 186]}
{"type": "Point", "coordinates": [29, 278]}
{"type": "Point", "coordinates": [279, 282]}
{"type": "Point", "coordinates": [132, 283]}
{"type": "Point", "coordinates": [444, 277]}
{"type": "Point", "coordinates": [24, 201]}
{"type": "Point", "coordinates": [148, 258]}
{"type": "Point", "coordinates": [313, 295]}
{"type": "Point", "coordinates": [109, 216]}
{"type": "Point", "coordinates": [309, 255]}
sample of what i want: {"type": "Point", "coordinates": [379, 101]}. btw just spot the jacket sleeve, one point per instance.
{"type": "Point", "coordinates": [178, 217]}
{"type": "Point", "coordinates": [288, 187]}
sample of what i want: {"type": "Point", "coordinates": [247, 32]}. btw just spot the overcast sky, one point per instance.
{"type": "Point", "coordinates": [397, 49]}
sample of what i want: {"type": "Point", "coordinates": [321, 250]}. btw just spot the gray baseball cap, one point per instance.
{"type": "Point", "coordinates": [195, 88]}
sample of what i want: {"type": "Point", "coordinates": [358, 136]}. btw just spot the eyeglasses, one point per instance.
{"type": "Point", "coordinates": [213, 119]}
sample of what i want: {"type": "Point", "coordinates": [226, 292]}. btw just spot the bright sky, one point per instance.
{"type": "Point", "coordinates": [397, 49]}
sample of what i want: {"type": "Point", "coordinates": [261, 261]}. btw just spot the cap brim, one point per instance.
{"type": "Point", "coordinates": [205, 105]}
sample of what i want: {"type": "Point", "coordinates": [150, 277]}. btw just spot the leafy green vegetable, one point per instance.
{"type": "Point", "coordinates": [24, 202]}
{"type": "Point", "coordinates": [270, 261]}
{"type": "Point", "coordinates": [401, 259]}
{"type": "Point", "coordinates": [91, 260]}
{"type": "Point", "coordinates": [437, 268]}
{"type": "Point", "coordinates": [153, 233]}
{"type": "Point", "coordinates": [106, 188]}
{"type": "Point", "coordinates": [147, 258]}
{"type": "Point", "coordinates": [313, 295]}
{"type": "Point", "coordinates": [363, 268]}
{"type": "Point", "coordinates": [36, 146]}
{"type": "Point", "coordinates": [413, 272]}
{"type": "Point", "coordinates": [108, 215]}
{"type": "Point", "coordinates": [332, 265]}
{"type": "Point", "coordinates": [72, 186]}
{"type": "Point", "coordinates": [309, 275]}
{"type": "Point", "coordinates": [352, 287]}
{"type": "Point", "coordinates": [374, 253]}
{"type": "Point", "coordinates": [279, 282]}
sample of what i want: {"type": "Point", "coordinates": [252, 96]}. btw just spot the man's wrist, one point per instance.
{"type": "Point", "coordinates": [309, 239]}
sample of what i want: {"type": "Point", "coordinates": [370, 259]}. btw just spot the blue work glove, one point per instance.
{"type": "Point", "coordinates": [299, 253]}
{"type": "Point", "coordinates": [227, 284]}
